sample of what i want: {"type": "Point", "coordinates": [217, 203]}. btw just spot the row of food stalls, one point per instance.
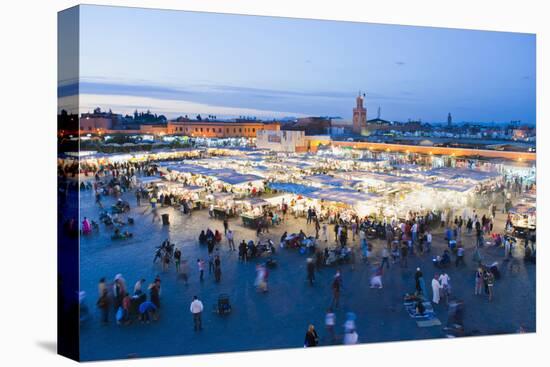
{"type": "Point", "coordinates": [390, 195]}
{"type": "Point", "coordinates": [225, 191]}
{"type": "Point", "coordinates": [391, 190]}
{"type": "Point", "coordinates": [93, 160]}
{"type": "Point", "coordinates": [331, 181]}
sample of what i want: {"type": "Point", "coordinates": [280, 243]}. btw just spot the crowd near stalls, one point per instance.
{"type": "Point", "coordinates": [382, 185]}
{"type": "Point", "coordinates": [85, 163]}
{"type": "Point", "coordinates": [348, 199]}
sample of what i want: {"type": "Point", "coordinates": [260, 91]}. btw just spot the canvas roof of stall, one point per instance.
{"type": "Point", "coordinates": [348, 159]}
{"type": "Point", "coordinates": [229, 176]}
{"type": "Point", "coordinates": [255, 201]}
{"type": "Point", "coordinates": [193, 188]}
{"type": "Point", "coordinates": [330, 180]}
{"type": "Point", "coordinates": [443, 185]}
{"type": "Point", "coordinates": [387, 178]}
{"type": "Point", "coordinates": [456, 174]}
{"type": "Point", "coordinates": [293, 188]}
{"type": "Point", "coordinates": [150, 179]}
{"type": "Point", "coordinates": [340, 195]}
{"type": "Point", "coordinates": [234, 178]}
{"type": "Point", "coordinates": [292, 164]}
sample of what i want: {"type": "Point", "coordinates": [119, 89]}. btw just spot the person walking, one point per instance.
{"type": "Point", "coordinates": [310, 270]}
{"type": "Point", "coordinates": [330, 322]}
{"type": "Point", "coordinates": [385, 257]}
{"type": "Point", "coordinates": [200, 265]}
{"type": "Point", "coordinates": [336, 288]}
{"type": "Point", "coordinates": [184, 271]}
{"type": "Point", "coordinates": [428, 241]}
{"type": "Point", "coordinates": [138, 197]}
{"type": "Point", "coordinates": [490, 281]}
{"type": "Point", "coordinates": [196, 310]}
{"type": "Point", "coordinates": [230, 240]}
{"type": "Point", "coordinates": [478, 282]}
{"type": "Point", "coordinates": [459, 256]}
{"type": "Point", "coordinates": [436, 286]}
{"type": "Point", "coordinates": [317, 228]}
{"type": "Point", "coordinates": [103, 305]}
{"type": "Point", "coordinates": [225, 226]}
{"type": "Point", "coordinates": [177, 259]}
{"type": "Point", "coordinates": [444, 281]}
{"type": "Point", "coordinates": [210, 263]}
{"type": "Point", "coordinates": [417, 276]}
{"type": "Point", "coordinates": [243, 252]}
{"type": "Point", "coordinates": [404, 254]}
{"type": "Point", "coordinates": [311, 339]}
{"type": "Point", "coordinates": [217, 269]}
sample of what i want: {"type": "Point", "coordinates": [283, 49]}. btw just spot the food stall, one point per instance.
{"type": "Point", "coordinates": [224, 204]}
{"type": "Point", "coordinates": [252, 211]}
{"type": "Point", "coordinates": [524, 219]}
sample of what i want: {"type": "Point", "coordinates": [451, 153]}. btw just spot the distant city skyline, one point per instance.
{"type": "Point", "coordinates": [176, 63]}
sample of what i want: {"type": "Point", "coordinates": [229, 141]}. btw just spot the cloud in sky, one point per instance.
{"type": "Point", "coordinates": [239, 100]}
{"type": "Point", "coordinates": [126, 104]}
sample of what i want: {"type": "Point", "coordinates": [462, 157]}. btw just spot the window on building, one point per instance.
{"type": "Point", "coordinates": [240, 130]}
{"type": "Point", "coordinates": [253, 129]}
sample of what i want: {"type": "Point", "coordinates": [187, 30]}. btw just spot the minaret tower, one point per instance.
{"type": "Point", "coordinates": [359, 115]}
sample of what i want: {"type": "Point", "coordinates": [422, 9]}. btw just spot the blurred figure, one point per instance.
{"type": "Point", "coordinates": [336, 288]}
{"type": "Point", "coordinates": [311, 339]}
{"type": "Point", "coordinates": [261, 278]}
{"type": "Point", "coordinates": [351, 337]}
{"type": "Point", "coordinates": [376, 280]}
{"type": "Point", "coordinates": [330, 322]}
{"type": "Point", "coordinates": [310, 270]}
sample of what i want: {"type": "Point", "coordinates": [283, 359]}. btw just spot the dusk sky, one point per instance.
{"type": "Point", "coordinates": [177, 63]}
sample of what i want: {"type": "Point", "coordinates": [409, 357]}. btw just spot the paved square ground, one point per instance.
{"type": "Point", "coordinates": [279, 318]}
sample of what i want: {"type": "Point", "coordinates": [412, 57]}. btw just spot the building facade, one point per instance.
{"type": "Point", "coordinates": [220, 129]}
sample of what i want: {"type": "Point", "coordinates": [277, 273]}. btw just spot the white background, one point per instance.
{"type": "Point", "coordinates": [28, 127]}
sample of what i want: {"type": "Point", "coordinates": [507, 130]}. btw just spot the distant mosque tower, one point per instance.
{"type": "Point", "coordinates": [379, 114]}
{"type": "Point", "coordinates": [359, 115]}
{"type": "Point", "coordinates": [449, 119]}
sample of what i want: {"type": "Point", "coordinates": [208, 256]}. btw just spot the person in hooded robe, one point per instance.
{"type": "Point", "coordinates": [436, 286]}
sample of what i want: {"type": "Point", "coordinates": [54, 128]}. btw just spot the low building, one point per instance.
{"type": "Point", "coordinates": [220, 129]}
{"type": "Point", "coordinates": [282, 140]}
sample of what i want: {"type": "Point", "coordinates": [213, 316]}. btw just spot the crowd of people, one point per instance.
{"type": "Point", "coordinates": [380, 243]}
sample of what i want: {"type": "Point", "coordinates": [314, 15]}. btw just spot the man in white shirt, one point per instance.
{"type": "Point", "coordinates": [196, 309]}
{"type": "Point", "coordinates": [414, 231]}
{"type": "Point", "coordinates": [230, 240]}
{"type": "Point", "coordinates": [429, 241]}
{"type": "Point", "coordinates": [445, 287]}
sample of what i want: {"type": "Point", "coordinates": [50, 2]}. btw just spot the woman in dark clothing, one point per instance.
{"type": "Point", "coordinates": [154, 293]}
{"type": "Point", "coordinates": [103, 305]}
{"type": "Point", "coordinates": [311, 339]}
